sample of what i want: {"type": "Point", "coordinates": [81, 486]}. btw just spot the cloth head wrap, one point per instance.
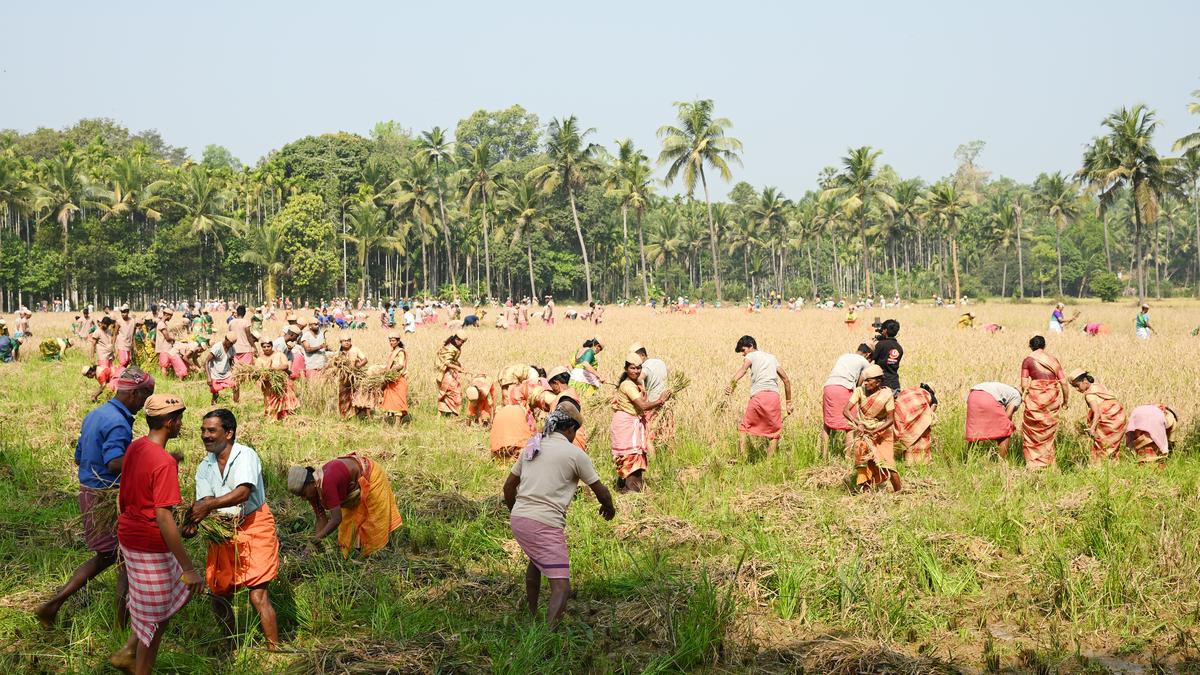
{"type": "Point", "coordinates": [133, 379]}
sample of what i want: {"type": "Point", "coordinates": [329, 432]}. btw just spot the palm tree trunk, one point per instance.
{"type": "Point", "coordinates": [812, 273]}
{"type": "Point", "coordinates": [712, 235]}
{"type": "Point", "coordinates": [1137, 247]}
{"type": "Point", "coordinates": [625, 246]}
{"type": "Point", "coordinates": [1108, 253]}
{"type": "Point", "coordinates": [1058, 249]}
{"type": "Point", "coordinates": [866, 253]}
{"type": "Point", "coordinates": [1157, 266]}
{"type": "Point", "coordinates": [587, 265]}
{"type": "Point", "coordinates": [446, 240]}
{"type": "Point", "coordinates": [1020, 254]}
{"type": "Point", "coordinates": [642, 253]}
{"type": "Point", "coordinates": [532, 286]}
{"type": "Point", "coordinates": [487, 251]}
{"type": "Point", "coordinates": [1004, 277]}
{"type": "Point", "coordinates": [1196, 210]}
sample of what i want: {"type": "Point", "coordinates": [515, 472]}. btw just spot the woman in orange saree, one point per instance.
{"type": "Point", "coordinates": [1044, 392]}
{"type": "Point", "coordinates": [871, 409]}
{"type": "Point", "coordinates": [1105, 417]}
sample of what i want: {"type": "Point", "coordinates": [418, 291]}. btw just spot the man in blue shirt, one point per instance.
{"type": "Point", "coordinates": [229, 480]}
{"type": "Point", "coordinates": [106, 433]}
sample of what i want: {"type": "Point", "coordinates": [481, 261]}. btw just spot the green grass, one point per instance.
{"type": "Point", "coordinates": [761, 565]}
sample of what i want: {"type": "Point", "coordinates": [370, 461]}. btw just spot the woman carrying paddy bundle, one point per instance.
{"type": "Point", "coordinates": [279, 395]}
{"type": "Point", "coordinates": [630, 441]}
{"type": "Point", "coordinates": [871, 409]}
{"type": "Point", "coordinates": [395, 394]}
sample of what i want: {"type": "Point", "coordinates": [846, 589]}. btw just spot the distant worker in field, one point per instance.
{"type": "Point", "coordinates": [764, 415]}
{"type": "Point", "coordinates": [839, 385]}
{"type": "Point", "coordinates": [352, 496]}
{"type": "Point", "coordinates": [992, 328]}
{"type": "Point", "coordinates": [1044, 393]}
{"type": "Point", "coordinates": [585, 377]}
{"type": "Point", "coordinates": [230, 480]}
{"type": "Point", "coordinates": [1150, 433]}
{"type": "Point", "coordinates": [244, 341]}
{"type": "Point", "coordinates": [851, 319]}
{"type": "Point", "coordinates": [1059, 320]}
{"type": "Point", "coordinates": [1095, 329]}
{"type": "Point", "coordinates": [967, 320]}
{"type": "Point", "coordinates": [539, 489]}
{"type": "Point", "coordinates": [1141, 323]}
{"type": "Point", "coordinates": [888, 353]}
{"type": "Point", "coordinates": [218, 363]}
{"type": "Point", "coordinates": [871, 409]}
{"type": "Point", "coordinates": [991, 407]}
{"type": "Point", "coordinates": [915, 414]}
{"type": "Point", "coordinates": [1105, 417]}
{"type": "Point", "coordinates": [449, 374]}
{"type": "Point", "coordinates": [168, 359]}
{"type": "Point", "coordinates": [630, 440]}
{"type": "Point", "coordinates": [126, 327]}
{"type": "Point", "coordinates": [395, 394]}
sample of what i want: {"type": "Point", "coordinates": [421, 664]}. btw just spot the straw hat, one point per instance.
{"type": "Point", "coordinates": [556, 371]}
{"type": "Point", "coordinates": [872, 371]}
{"type": "Point", "coordinates": [1076, 374]}
{"type": "Point", "coordinates": [634, 359]}
{"type": "Point", "coordinates": [346, 337]}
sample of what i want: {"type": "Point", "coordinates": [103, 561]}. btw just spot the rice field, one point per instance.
{"type": "Point", "coordinates": [727, 563]}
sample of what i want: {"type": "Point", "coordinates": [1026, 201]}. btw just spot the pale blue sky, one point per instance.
{"type": "Point", "coordinates": [801, 81]}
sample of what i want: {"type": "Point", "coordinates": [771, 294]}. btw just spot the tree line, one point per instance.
{"type": "Point", "coordinates": [508, 207]}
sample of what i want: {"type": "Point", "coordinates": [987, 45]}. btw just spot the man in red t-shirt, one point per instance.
{"type": "Point", "coordinates": [161, 576]}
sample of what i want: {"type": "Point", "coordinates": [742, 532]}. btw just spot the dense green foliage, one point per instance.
{"type": "Point", "coordinates": [513, 207]}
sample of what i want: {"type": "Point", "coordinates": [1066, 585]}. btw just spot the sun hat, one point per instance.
{"type": "Point", "coordinates": [1076, 374]}
{"type": "Point", "coordinates": [634, 359]}
{"type": "Point", "coordinates": [163, 404]}
{"type": "Point", "coordinates": [872, 371]}
{"type": "Point", "coordinates": [556, 371]}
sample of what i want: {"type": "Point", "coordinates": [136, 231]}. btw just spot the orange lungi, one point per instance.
{"type": "Point", "coordinates": [250, 559]}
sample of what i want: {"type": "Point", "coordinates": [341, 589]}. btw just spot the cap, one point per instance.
{"type": "Point", "coordinates": [230, 337]}
{"type": "Point", "coordinates": [633, 358]}
{"type": "Point", "coordinates": [297, 477]}
{"type": "Point", "coordinates": [1076, 374]}
{"type": "Point", "coordinates": [86, 369]}
{"type": "Point", "coordinates": [556, 371]}
{"type": "Point", "coordinates": [472, 393]}
{"type": "Point", "coordinates": [548, 398]}
{"type": "Point", "coordinates": [572, 410]}
{"type": "Point", "coordinates": [532, 374]}
{"type": "Point", "coordinates": [163, 404]}
{"type": "Point", "coordinates": [636, 347]}
{"type": "Point", "coordinates": [872, 371]}
{"type": "Point", "coordinates": [293, 329]}
{"type": "Point", "coordinates": [123, 308]}
{"type": "Point", "coordinates": [394, 335]}
{"type": "Point", "coordinates": [346, 337]}
{"type": "Point", "coordinates": [167, 310]}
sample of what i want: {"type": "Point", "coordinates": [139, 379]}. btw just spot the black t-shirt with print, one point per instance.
{"type": "Point", "coordinates": [887, 355]}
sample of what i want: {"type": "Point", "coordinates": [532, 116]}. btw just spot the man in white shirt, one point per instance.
{"type": "Point", "coordinates": [410, 321]}
{"type": "Point", "coordinates": [764, 415]}
{"type": "Point", "coordinates": [654, 379]}
{"type": "Point", "coordinates": [218, 362]}
{"type": "Point", "coordinates": [845, 376]}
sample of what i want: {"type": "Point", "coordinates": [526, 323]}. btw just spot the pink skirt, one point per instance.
{"type": "Point", "coordinates": [763, 416]}
{"type": "Point", "coordinates": [986, 419]}
{"type": "Point", "coordinates": [834, 398]}
{"type": "Point", "coordinates": [545, 545]}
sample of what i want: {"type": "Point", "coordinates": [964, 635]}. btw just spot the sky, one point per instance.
{"type": "Point", "coordinates": [801, 81]}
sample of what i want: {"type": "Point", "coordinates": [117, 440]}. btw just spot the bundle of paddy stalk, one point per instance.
{"type": "Point", "coordinates": [105, 508]}
{"type": "Point", "coordinates": [377, 380]}
{"type": "Point", "coordinates": [275, 380]}
{"type": "Point", "coordinates": [341, 369]}
{"type": "Point", "coordinates": [216, 528]}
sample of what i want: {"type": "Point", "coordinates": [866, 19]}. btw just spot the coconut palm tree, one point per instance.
{"type": "Point", "coordinates": [413, 200]}
{"type": "Point", "coordinates": [571, 162]}
{"type": "Point", "coordinates": [1190, 141]}
{"type": "Point", "coordinates": [205, 202]}
{"type": "Point", "coordinates": [62, 196]}
{"type": "Point", "coordinates": [770, 216]}
{"type": "Point", "coordinates": [131, 192]}
{"type": "Point", "coordinates": [638, 191]}
{"type": "Point", "coordinates": [477, 178]}
{"type": "Point", "coordinates": [948, 205]}
{"type": "Point", "coordinates": [265, 248]}
{"type": "Point", "coordinates": [522, 200]}
{"type": "Point", "coordinates": [1128, 158]}
{"type": "Point", "coordinates": [615, 183]}
{"type": "Point", "coordinates": [699, 140]}
{"type": "Point", "coordinates": [857, 189]}
{"type": "Point", "coordinates": [434, 146]}
{"type": "Point", "coordinates": [1056, 197]}
{"type": "Point", "coordinates": [368, 230]}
